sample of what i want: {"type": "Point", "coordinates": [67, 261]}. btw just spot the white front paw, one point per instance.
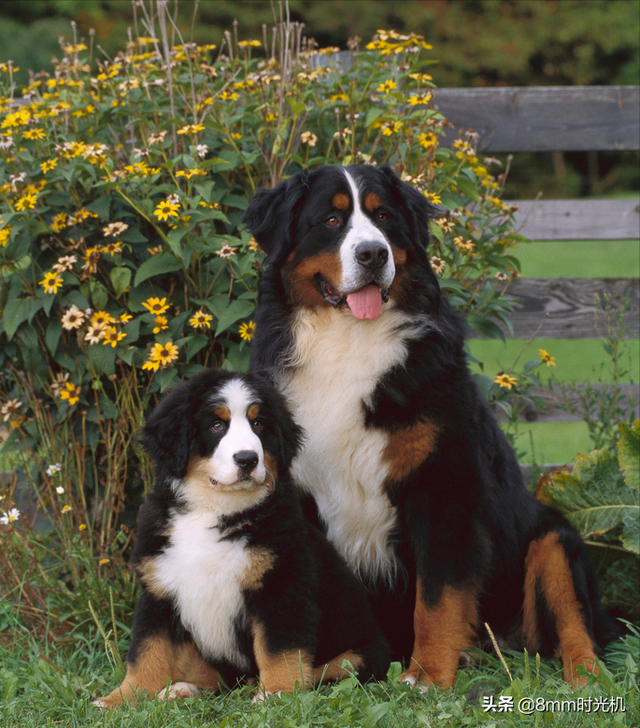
{"type": "Point", "coordinates": [179, 690]}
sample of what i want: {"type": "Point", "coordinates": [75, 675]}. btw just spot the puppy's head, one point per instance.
{"type": "Point", "coordinates": [347, 237]}
{"type": "Point", "coordinates": [222, 432]}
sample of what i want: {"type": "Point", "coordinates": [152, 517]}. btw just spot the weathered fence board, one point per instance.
{"type": "Point", "coordinates": [578, 219]}
{"type": "Point", "coordinates": [564, 308]}
{"type": "Point", "coordinates": [546, 118]}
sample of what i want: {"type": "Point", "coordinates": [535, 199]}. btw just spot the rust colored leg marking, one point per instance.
{"type": "Point", "coordinates": [280, 672]}
{"type": "Point", "coordinates": [441, 633]}
{"type": "Point", "coordinates": [548, 569]}
{"type": "Point", "coordinates": [333, 669]}
{"type": "Point", "coordinates": [158, 663]}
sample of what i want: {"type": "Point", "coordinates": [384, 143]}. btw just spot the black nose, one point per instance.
{"type": "Point", "coordinates": [246, 460]}
{"type": "Point", "coordinates": [372, 255]}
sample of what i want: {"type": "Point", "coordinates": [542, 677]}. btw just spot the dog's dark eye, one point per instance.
{"type": "Point", "coordinates": [382, 217]}
{"type": "Point", "coordinates": [257, 425]}
{"type": "Point", "coordinates": [218, 426]}
{"type": "Point", "coordinates": [332, 221]}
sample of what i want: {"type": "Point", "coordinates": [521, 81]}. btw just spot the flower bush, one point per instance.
{"type": "Point", "coordinates": [123, 260]}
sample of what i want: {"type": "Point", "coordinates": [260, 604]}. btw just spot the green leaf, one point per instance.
{"type": "Point", "coordinates": [103, 359]}
{"type": "Point", "coordinates": [485, 326]}
{"type": "Point", "coordinates": [54, 330]}
{"type": "Point", "coordinates": [15, 313]}
{"type": "Point", "coordinates": [157, 265]}
{"type": "Point", "coordinates": [629, 454]}
{"type": "Point", "coordinates": [101, 207]}
{"type": "Point", "coordinates": [467, 187]}
{"type": "Point", "coordinates": [99, 296]}
{"type": "Point", "coordinates": [235, 311]}
{"type": "Point", "coordinates": [120, 280]}
{"type": "Point", "coordinates": [594, 497]}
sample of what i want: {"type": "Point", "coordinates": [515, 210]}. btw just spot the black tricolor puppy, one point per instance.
{"type": "Point", "coordinates": [235, 583]}
{"type": "Point", "coordinates": [414, 482]}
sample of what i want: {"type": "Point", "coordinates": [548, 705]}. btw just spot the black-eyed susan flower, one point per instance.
{"type": "Point", "coordinates": [10, 408]}
{"type": "Point", "coordinates": [112, 336]}
{"type": "Point", "coordinates": [437, 265]}
{"type": "Point", "coordinates": [547, 359]}
{"type": "Point", "coordinates": [160, 324]}
{"type": "Point", "coordinates": [226, 251]}
{"type": "Point", "coordinates": [505, 381]}
{"type": "Point", "coordinates": [51, 282]}
{"type": "Point", "coordinates": [164, 354]}
{"type": "Point", "coordinates": [48, 165]}
{"type": "Point", "coordinates": [71, 393]}
{"type": "Point", "coordinates": [114, 228]}
{"type": "Point", "coordinates": [156, 306]}
{"type": "Point", "coordinates": [101, 319]}
{"type": "Point", "coordinates": [247, 330]}
{"type": "Point", "coordinates": [166, 209]}
{"type": "Point", "coordinates": [201, 320]}
{"type": "Point", "coordinates": [94, 334]}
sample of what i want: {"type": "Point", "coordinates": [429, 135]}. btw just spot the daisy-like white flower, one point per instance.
{"type": "Point", "coordinates": [201, 150]}
{"type": "Point", "coordinates": [53, 469]}
{"type": "Point", "coordinates": [59, 381]}
{"type": "Point", "coordinates": [94, 334]}
{"type": "Point", "coordinates": [64, 263]}
{"type": "Point", "coordinates": [114, 228]}
{"type": "Point", "coordinates": [73, 318]}
{"type": "Point", "coordinates": [10, 516]}
{"type": "Point", "coordinates": [10, 408]}
{"type": "Point", "coordinates": [308, 138]}
{"type": "Point", "coordinates": [226, 251]}
{"type": "Point", "coordinates": [60, 490]}
{"type": "Point", "coordinates": [437, 265]}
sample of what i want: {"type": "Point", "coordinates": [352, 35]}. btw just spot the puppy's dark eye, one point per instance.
{"type": "Point", "coordinates": [332, 221]}
{"type": "Point", "coordinates": [382, 217]}
{"type": "Point", "coordinates": [257, 425]}
{"type": "Point", "coordinates": [218, 426]}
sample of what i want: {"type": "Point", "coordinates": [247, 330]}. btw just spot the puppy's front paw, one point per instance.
{"type": "Point", "coordinates": [179, 690]}
{"type": "Point", "coordinates": [262, 695]}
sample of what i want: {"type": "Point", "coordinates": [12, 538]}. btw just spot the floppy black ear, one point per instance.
{"type": "Point", "coordinates": [420, 210]}
{"type": "Point", "coordinates": [271, 215]}
{"type": "Point", "coordinates": [170, 429]}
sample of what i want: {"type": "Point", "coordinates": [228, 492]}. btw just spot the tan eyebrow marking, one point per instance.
{"type": "Point", "coordinates": [372, 201]}
{"type": "Point", "coordinates": [222, 412]}
{"type": "Point", "coordinates": [340, 201]}
{"type": "Point", "coordinates": [253, 411]}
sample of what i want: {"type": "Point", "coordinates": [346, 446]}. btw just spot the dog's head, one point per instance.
{"type": "Point", "coordinates": [343, 236]}
{"type": "Point", "coordinates": [222, 432]}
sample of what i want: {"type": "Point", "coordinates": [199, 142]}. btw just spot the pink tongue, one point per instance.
{"type": "Point", "coordinates": [365, 303]}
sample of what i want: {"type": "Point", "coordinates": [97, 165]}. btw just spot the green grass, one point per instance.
{"type": "Point", "coordinates": [40, 686]}
{"type": "Point", "coordinates": [580, 259]}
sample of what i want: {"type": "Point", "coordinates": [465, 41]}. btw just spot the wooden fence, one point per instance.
{"type": "Point", "coordinates": [559, 119]}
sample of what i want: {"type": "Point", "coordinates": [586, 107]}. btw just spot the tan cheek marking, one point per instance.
{"type": "Point", "coordinates": [372, 201]}
{"type": "Point", "coordinates": [441, 633]}
{"type": "Point", "coordinates": [271, 466]}
{"type": "Point", "coordinates": [333, 669]}
{"type": "Point", "coordinates": [300, 279]}
{"type": "Point", "coordinates": [546, 567]}
{"type": "Point", "coordinates": [340, 201]}
{"type": "Point", "coordinates": [409, 447]}
{"type": "Point", "coordinates": [399, 256]}
{"type": "Point", "coordinates": [261, 562]}
{"type": "Point", "coordinates": [280, 671]}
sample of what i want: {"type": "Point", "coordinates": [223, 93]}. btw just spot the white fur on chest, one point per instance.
{"type": "Point", "coordinates": [336, 365]}
{"type": "Point", "coordinates": [202, 573]}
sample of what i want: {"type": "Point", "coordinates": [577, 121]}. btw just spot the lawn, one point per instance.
{"type": "Point", "coordinates": [577, 360]}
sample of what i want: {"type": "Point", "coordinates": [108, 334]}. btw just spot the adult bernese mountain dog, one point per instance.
{"type": "Point", "coordinates": [410, 475]}
{"type": "Point", "coordinates": [235, 582]}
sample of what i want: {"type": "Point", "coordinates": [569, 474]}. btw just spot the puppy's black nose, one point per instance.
{"type": "Point", "coordinates": [246, 460]}
{"type": "Point", "coordinates": [372, 255]}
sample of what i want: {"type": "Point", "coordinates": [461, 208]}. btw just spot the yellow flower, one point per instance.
{"type": "Point", "coordinates": [60, 222]}
{"type": "Point", "coordinates": [249, 43]}
{"type": "Point", "coordinates": [193, 128]}
{"type": "Point", "coordinates": [151, 365]}
{"type": "Point", "coordinates": [104, 562]}
{"type": "Point", "coordinates": [201, 320]}
{"type": "Point", "coordinates": [437, 265]}
{"type": "Point", "coordinates": [549, 360]}
{"type": "Point", "coordinates": [33, 134]}
{"type": "Point", "coordinates": [164, 354]}
{"type": "Point", "coordinates": [51, 282]}
{"type": "Point", "coordinates": [66, 509]}
{"type": "Point", "coordinates": [27, 202]}
{"type": "Point", "coordinates": [161, 324]}
{"type": "Point", "coordinates": [70, 392]}
{"type": "Point", "coordinates": [5, 236]}
{"type": "Point", "coordinates": [112, 336]}
{"type": "Point", "coordinates": [505, 381]}
{"type": "Point", "coordinates": [463, 244]}
{"type": "Point", "coordinates": [48, 165]}
{"type": "Point", "coordinates": [386, 87]}
{"type": "Point", "coordinates": [167, 209]}
{"type": "Point", "coordinates": [82, 527]}
{"type": "Point", "coordinates": [308, 138]}
{"type": "Point", "coordinates": [101, 319]}
{"type": "Point", "coordinates": [247, 330]}
{"type": "Point", "coordinates": [156, 306]}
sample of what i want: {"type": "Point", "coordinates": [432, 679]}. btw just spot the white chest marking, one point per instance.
{"type": "Point", "coordinates": [337, 363]}
{"type": "Point", "coordinates": [202, 573]}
